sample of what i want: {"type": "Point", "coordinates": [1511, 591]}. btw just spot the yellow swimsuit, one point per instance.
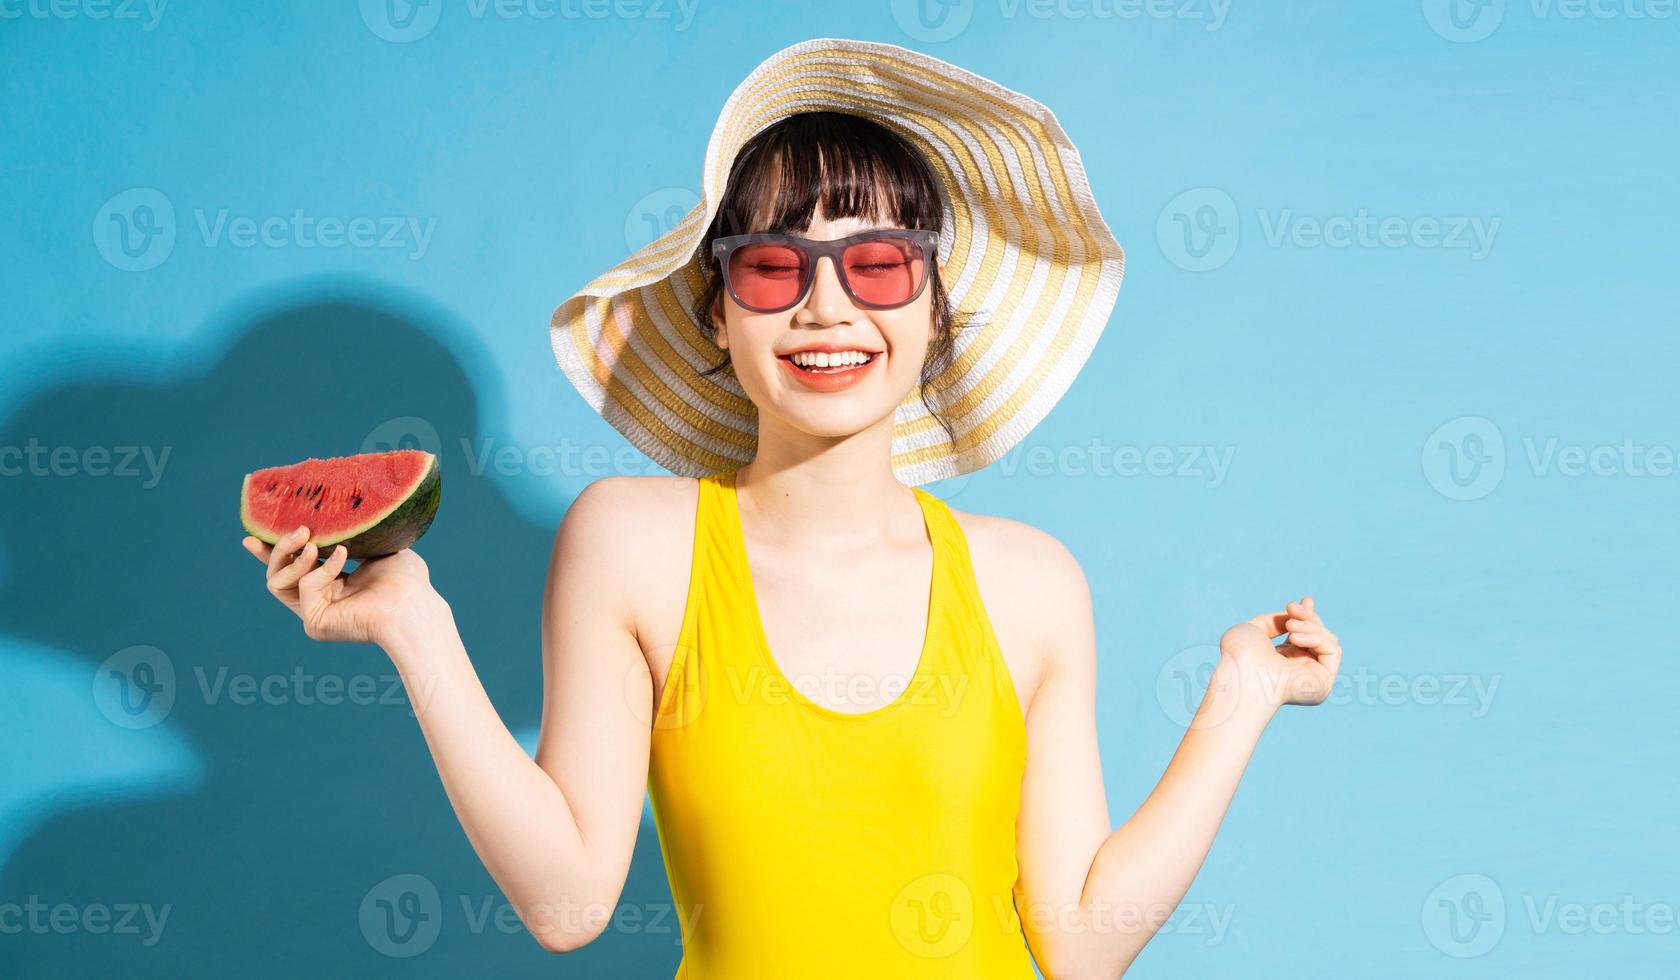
{"type": "Point", "coordinates": [805, 843]}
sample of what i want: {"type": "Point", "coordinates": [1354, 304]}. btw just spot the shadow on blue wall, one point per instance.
{"type": "Point", "coordinates": [285, 860]}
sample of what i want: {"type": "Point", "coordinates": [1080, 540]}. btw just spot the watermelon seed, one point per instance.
{"type": "Point", "coordinates": [355, 502]}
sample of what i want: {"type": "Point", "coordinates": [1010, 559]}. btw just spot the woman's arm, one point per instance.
{"type": "Point", "coordinates": [556, 833]}
{"type": "Point", "coordinates": [1090, 899]}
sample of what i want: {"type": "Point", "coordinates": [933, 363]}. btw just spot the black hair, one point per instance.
{"type": "Point", "coordinates": [855, 168]}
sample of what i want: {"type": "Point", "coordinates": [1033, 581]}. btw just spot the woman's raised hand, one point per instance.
{"type": "Point", "coordinates": [1301, 670]}
{"type": "Point", "coordinates": [362, 607]}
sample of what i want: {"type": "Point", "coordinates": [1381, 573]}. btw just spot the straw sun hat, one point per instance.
{"type": "Point", "coordinates": [1024, 252]}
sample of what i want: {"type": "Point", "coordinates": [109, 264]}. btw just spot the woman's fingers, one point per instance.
{"type": "Point", "coordinates": [1271, 623]}
{"type": "Point", "coordinates": [288, 576]}
{"type": "Point", "coordinates": [312, 588]}
{"type": "Point", "coordinates": [1303, 610]}
{"type": "Point", "coordinates": [285, 548]}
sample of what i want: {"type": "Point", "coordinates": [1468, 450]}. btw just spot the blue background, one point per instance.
{"type": "Point", "coordinates": [1397, 414]}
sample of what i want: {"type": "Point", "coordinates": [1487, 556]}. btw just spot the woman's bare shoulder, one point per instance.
{"type": "Point", "coordinates": [1003, 542]}
{"type": "Point", "coordinates": [633, 511]}
{"type": "Point", "coordinates": [635, 532]}
{"type": "Point", "coordinates": [1031, 584]}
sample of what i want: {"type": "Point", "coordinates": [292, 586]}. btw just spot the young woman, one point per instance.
{"type": "Point", "coordinates": [866, 718]}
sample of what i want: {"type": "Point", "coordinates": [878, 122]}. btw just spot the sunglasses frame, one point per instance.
{"type": "Point", "coordinates": [834, 248]}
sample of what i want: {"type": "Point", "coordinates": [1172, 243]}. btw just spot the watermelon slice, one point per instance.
{"type": "Point", "coordinates": [374, 504]}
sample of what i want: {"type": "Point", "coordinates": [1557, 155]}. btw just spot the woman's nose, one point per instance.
{"type": "Point", "coordinates": [828, 300]}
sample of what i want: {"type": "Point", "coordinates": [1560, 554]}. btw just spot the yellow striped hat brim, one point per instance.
{"type": "Point", "coordinates": [1024, 252]}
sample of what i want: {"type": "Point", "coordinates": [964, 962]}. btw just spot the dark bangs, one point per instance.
{"type": "Point", "coordinates": [853, 167]}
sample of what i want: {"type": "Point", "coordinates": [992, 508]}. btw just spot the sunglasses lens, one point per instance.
{"type": "Point", "coordinates": [766, 276]}
{"type": "Point", "coordinates": [886, 271]}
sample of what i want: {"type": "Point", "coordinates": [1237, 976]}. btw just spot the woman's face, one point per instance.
{"type": "Point", "coordinates": [759, 345]}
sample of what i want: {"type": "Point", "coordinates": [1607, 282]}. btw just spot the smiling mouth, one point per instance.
{"type": "Point", "coordinates": [829, 370]}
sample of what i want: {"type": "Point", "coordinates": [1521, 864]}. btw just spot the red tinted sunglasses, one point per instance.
{"type": "Point", "coordinates": [880, 269]}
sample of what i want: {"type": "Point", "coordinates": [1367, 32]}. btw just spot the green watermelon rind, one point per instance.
{"type": "Point", "coordinates": [397, 530]}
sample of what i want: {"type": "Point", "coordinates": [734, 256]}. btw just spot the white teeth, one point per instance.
{"type": "Point", "coordinates": [822, 359]}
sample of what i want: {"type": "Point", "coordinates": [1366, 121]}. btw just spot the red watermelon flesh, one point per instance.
{"type": "Point", "coordinates": [374, 503]}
